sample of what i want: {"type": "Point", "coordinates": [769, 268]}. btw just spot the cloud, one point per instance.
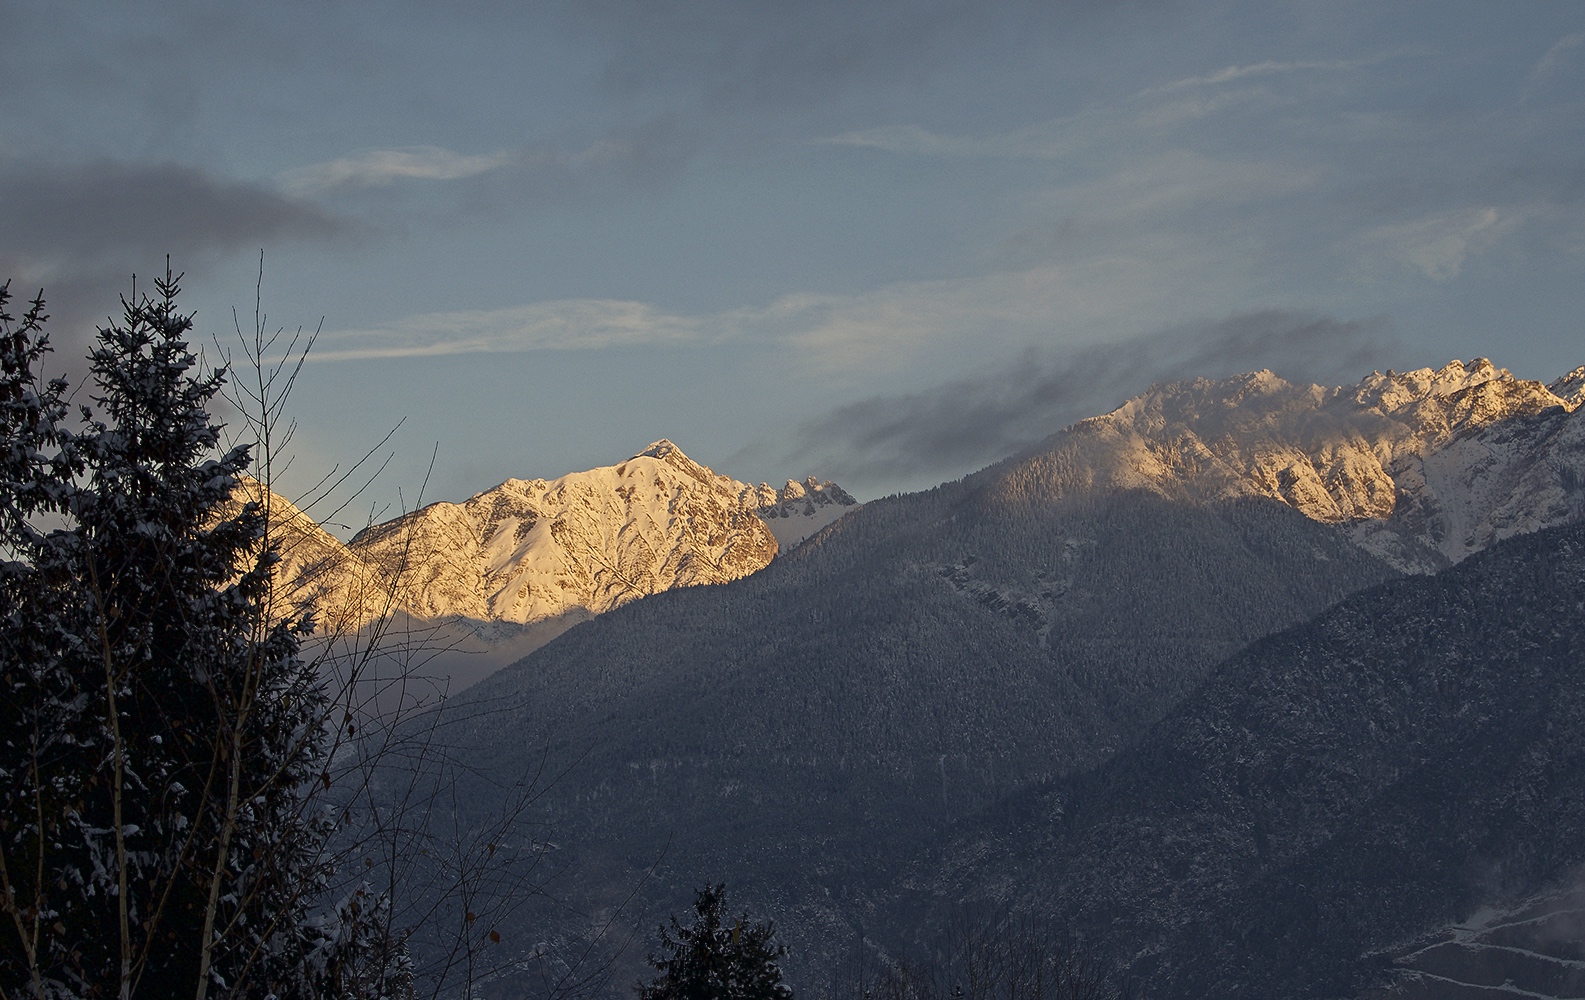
{"type": "Point", "coordinates": [1153, 111]}
{"type": "Point", "coordinates": [1268, 67]}
{"type": "Point", "coordinates": [80, 231]}
{"type": "Point", "coordinates": [837, 328]}
{"type": "Point", "coordinates": [959, 426]}
{"type": "Point", "coordinates": [1075, 299]}
{"type": "Point", "coordinates": [1047, 140]}
{"type": "Point", "coordinates": [1179, 181]}
{"type": "Point", "coordinates": [885, 329]}
{"type": "Point", "coordinates": [1553, 61]}
{"type": "Point", "coordinates": [379, 167]}
{"type": "Point", "coordinates": [126, 211]}
{"type": "Point", "coordinates": [917, 139]}
{"type": "Point", "coordinates": [572, 324]}
{"type": "Point", "coordinates": [1437, 245]}
{"type": "Point", "coordinates": [487, 183]}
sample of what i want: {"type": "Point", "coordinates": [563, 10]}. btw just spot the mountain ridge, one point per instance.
{"type": "Point", "coordinates": [534, 550]}
{"type": "Point", "coordinates": [1382, 456]}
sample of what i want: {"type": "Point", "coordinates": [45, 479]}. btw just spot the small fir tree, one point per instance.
{"type": "Point", "coordinates": [712, 961]}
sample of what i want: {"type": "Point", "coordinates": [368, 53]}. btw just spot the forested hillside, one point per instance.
{"type": "Point", "coordinates": [1393, 767]}
{"type": "Point", "coordinates": [803, 732]}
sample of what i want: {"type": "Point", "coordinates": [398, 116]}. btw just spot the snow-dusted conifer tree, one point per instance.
{"type": "Point", "coordinates": [711, 961]}
{"type": "Point", "coordinates": [42, 765]}
{"type": "Point", "coordinates": [161, 734]}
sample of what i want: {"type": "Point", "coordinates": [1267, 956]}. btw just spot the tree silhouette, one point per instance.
{"type": "Point", "coordinates": [161, 738]}
{"type": "Point", "coordinates": [712, 961]}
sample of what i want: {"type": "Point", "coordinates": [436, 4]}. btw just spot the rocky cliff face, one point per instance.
{"type": "Point", "coordinates": [1426, 466]}
{"type": "Point", "coordinates": [531, 550]}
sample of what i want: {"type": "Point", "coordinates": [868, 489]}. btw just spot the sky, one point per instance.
{"type": "Point", "coordinates": [883, 243]}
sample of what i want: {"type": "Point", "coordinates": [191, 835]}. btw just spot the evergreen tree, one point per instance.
{"type": "Point", "coordinates": [162, 737]}
{"type": "Point", "coordinates": [711, 961]}
{"type": "Point", "coordinates": [35, 699]}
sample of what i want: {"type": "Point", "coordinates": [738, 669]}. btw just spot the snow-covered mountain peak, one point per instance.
{"type": "Point", "coordinates": [661, 449]}
{"type": "Point", "coordinates": [1264, 382]}
{"type": "Point", "coordinates": [799, 509]}
{"type": "Point", "coordinates": [1448, 459]}
{"type": "Point", "coordinates": [1397, 392]}
{"type": "Point", "coordinates": [815, 492]}
{"type": "Point", "coordinates": [1455, 376]}
{"type": "Point", "coordinates": [669, 455]}
{"type": "Point", "coordinates": [535, 549]}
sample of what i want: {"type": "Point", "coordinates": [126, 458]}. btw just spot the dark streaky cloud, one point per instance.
{"type": "Point", "coordinates": [109, 208]}
{"type": "Point", "coordinates": [957, 427]}
{"type": "Point", "coordinates": [79, 232]}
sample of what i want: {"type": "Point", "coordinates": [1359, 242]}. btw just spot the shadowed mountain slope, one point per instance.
{"type": "Point", "coordinates": [1407, 758]}
{"type": "Point", "coordinates": [802, 732]}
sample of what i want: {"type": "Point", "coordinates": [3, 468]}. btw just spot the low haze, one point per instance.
{"type": "Point", "coordinates": [880, 242]}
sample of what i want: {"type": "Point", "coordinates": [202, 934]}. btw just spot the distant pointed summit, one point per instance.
{"type": "Point", "coordinates": [661, 449]}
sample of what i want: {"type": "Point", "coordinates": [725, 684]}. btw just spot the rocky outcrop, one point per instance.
{"type": "Point", "coordinates": [798, 510]}
{"type": "Point", "coordinates": [1570, 388]}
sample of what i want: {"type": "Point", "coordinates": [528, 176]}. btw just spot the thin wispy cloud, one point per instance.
{"type": "Point", "coordinates": [569, 324]}
{"type": "Point", "coordinates": [908, 139]}
{"type": "Point", "coordinates": [1438, 245]}
{"type": "Point", "coordinates": [1551, 63]}
{"type": "Point", "coordinates": [1070, 301]}
{"type": "Point", "coordinates": [1269, 67]}
{"type": "Point", "coordinates": [884, 329]}
{"type": "Point", "coordinates": [1053, 139]}
{"type": "Point", "coordinates": [502, 178]}
{"type": "Point", "coordinates": [1142, 274]}
{"type": "Point", "coordinates": [1557, 53]}
{"type": "Point", "coordinates": [1176, 181]}
{"type": "Point", "coordinates": [380, 167]}
{"type": "Point", "coordinates": [1154, 110]}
